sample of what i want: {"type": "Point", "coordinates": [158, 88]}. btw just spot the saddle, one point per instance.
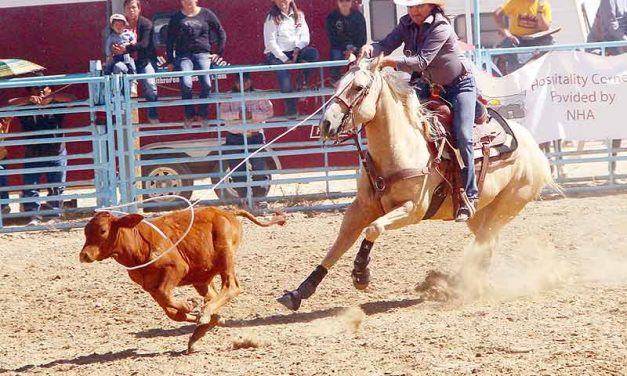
{"type": "Point", "coordinates": [493, 140]}
{"type": "Point", "coordinates": [491, 129]}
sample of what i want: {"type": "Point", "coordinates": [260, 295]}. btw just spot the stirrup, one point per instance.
{"type": "Point", "coordinates": [466, 208]}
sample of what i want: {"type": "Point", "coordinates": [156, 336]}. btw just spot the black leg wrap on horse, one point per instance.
{"type": "Point", "coordinates": [309, 285]}
{"type": "Point", "coordinates": [361, 273]}
{"type": "Point", "coordinates": [292, 299]}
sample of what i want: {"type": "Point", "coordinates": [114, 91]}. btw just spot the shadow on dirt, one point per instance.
{"type": "Point", "coordinates": [94, 358]}
{"type": "Point", "coordinates": [369, 309]}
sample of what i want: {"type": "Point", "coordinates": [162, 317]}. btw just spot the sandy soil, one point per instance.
{"type": "Point", "coordinates": [558, 304]}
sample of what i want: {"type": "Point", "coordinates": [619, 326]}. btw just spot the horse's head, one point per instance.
{"type": "Point", "coordinates": [355, 99]}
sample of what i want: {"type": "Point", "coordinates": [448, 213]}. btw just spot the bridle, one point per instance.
{"type": "Point", "coordinates": [349, 114]}
{"type": "Point", "coordinates": [378, 182]}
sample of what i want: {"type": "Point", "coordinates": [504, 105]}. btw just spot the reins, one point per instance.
{"type": "Point", "coordinates": [378, 182]}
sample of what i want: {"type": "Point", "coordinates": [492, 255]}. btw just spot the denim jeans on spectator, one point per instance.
{"type": "Point", "coordinates": [189, 63]}
{"type": "Point", "coordinates": [307, 54]}
{"type": "Point", "coordinates": [336, 71]}
{"type": "Point", "coordinates": [3, 184]}
{"type": "Point", "coordinates": [150, 86]}
{"type": "Point", "coordinates": [258, 164]}
{"type": "Point", "coordinates": [52, 177]}
{"type": "Point", "coordinates": [463, 98]}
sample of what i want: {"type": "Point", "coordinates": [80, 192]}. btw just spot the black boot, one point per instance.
{"type": "Point", "coordinates": [292, 299]}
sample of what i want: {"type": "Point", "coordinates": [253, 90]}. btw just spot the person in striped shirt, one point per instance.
{"type": "Point", "coordinates": [255, 111]}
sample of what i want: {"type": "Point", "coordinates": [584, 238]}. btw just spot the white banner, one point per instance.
{"type": "Point", "coordinates": [565, 95]}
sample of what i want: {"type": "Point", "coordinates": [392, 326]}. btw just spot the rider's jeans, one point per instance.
{"type": "Point", "coordinates": [463, 98]}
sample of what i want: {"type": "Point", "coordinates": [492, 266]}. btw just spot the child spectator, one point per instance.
{"type": "Point", "coordinates": [346, 30]}
{"type": "Point", "coordinates": [286, 40]}
{"type": "Point", "coordinates": [120, 36]}
{"type": "Point", "coordinates": [257, 111]}
{"type": "Point", "coordinates": [143, 50]}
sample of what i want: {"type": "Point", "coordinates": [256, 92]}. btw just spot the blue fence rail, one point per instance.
{"type": "Point", "coordinates": [128, 161]}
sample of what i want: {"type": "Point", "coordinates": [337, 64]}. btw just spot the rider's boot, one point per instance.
{"type": "Point", "coordinates": [467, 208]}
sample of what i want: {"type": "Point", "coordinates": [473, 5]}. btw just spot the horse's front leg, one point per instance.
{"type": "Point", "coordinates": [401, 216]}
{"type": "Point", "coordinates": [357, 217]}
{"type": "Point", "coordinates": [398, 217]}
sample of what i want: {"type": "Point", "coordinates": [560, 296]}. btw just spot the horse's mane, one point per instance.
{"type": "Point", "coordinates": [398, 82]}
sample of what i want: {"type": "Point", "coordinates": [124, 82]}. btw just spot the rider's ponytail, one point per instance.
{"type": "Point", "coordinates": [437, 9]}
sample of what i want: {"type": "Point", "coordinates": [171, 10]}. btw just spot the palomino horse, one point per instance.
{"type": "Point", "coordinates": [397, 136]}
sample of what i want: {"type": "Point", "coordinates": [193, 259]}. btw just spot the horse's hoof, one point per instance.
{"type": "Point", "coordinates": [291, 300]}
{"type": "Point", "coordinates": [361, 279]}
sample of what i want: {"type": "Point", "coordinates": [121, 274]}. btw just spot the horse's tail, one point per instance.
{"type": "Point", "coordinates": [277, 218]}
{"type": "Point", "coordinates": [545, 177]}
{"type": "Point", "coordinates": [537, 167]}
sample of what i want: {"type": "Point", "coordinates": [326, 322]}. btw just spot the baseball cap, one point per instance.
{"type": "Point", "coordinates": [117, 17]}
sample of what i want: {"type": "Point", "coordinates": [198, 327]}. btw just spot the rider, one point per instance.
{"type": "Point", "coordinates": [431, 44]}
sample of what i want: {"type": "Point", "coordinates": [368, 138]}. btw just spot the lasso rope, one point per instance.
{"type": "Point", "coordinates": [111, 209]}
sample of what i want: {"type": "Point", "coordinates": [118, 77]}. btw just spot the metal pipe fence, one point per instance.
{"type": "Point", "coordinates": [116, 159]}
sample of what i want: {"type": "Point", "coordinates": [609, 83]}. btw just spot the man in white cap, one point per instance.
{"type": "Point", "coordinates": [433, 51]}
{"type": "Point", "coordinates": [120, 36]}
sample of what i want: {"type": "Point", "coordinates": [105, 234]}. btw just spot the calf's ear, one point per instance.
{"type": "Point", "coordinates": [130, 220]}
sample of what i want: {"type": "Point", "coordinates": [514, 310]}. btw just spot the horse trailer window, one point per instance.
{"type": "Point", "coordinates": [382, 18]}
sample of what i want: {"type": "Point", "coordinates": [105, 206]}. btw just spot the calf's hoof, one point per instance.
{"type": "Point", "coordinates": [361, 278]}
{"type": "Point", "coordinates": [291, 300]}
{"type": "Point", "coordinates": [199, 332]}
{"type": "Point", "coordinates": [213, 320]}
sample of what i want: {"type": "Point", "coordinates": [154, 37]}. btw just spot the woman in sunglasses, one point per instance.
{"type": "Point", "coordinates": [346, 30]}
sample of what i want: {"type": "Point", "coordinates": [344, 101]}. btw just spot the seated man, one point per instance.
{"type": "Point", "coordinates": [526, 17]}
{"type": "Point", "coordinates": [257, 111]}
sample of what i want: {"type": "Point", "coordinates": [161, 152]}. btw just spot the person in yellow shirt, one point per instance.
{"type": "Point", "coordinates": [526, 18]}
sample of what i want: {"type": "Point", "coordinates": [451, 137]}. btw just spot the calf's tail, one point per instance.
{"type": "Point", "coordinates": [277, 218]}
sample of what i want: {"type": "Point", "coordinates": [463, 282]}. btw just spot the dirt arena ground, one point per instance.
{"type": "Point", "coordinates": [557, 304]}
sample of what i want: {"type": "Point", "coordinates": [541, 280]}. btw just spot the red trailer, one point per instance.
{"type": "Point", "coordinates": [64, 36]}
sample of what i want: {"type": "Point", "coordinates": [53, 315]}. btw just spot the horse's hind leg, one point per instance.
{"type": "Point", "coordinates": [486, 226]}
{"type": "Point", "coordinates": [357, 217]}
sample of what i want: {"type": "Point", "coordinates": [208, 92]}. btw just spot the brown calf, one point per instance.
{"type": "Point", "coordinates": [206, 251]}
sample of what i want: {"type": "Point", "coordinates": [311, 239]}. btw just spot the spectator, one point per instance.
{"type": "Point", "coordinates": [4, 195]}
{"type": "Point", "coordinates": [257, 111]}
{"type": "Point", "coordinates": [146, 58]}
{"type": "Point", "coordinates": [286, 40]}
{"type": "Point", "coordinates": [346, 30]}
{"type": "Point", "coordinates": [43, 96]}
{"type": "Point", "coordinates": [526, 17]}
{"type": "Point", "coordinates": [120, 36]}
{"type": "Point", "coordinates": [610, 24]}
{"type": "Point", "coordinates": [194, 33]}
